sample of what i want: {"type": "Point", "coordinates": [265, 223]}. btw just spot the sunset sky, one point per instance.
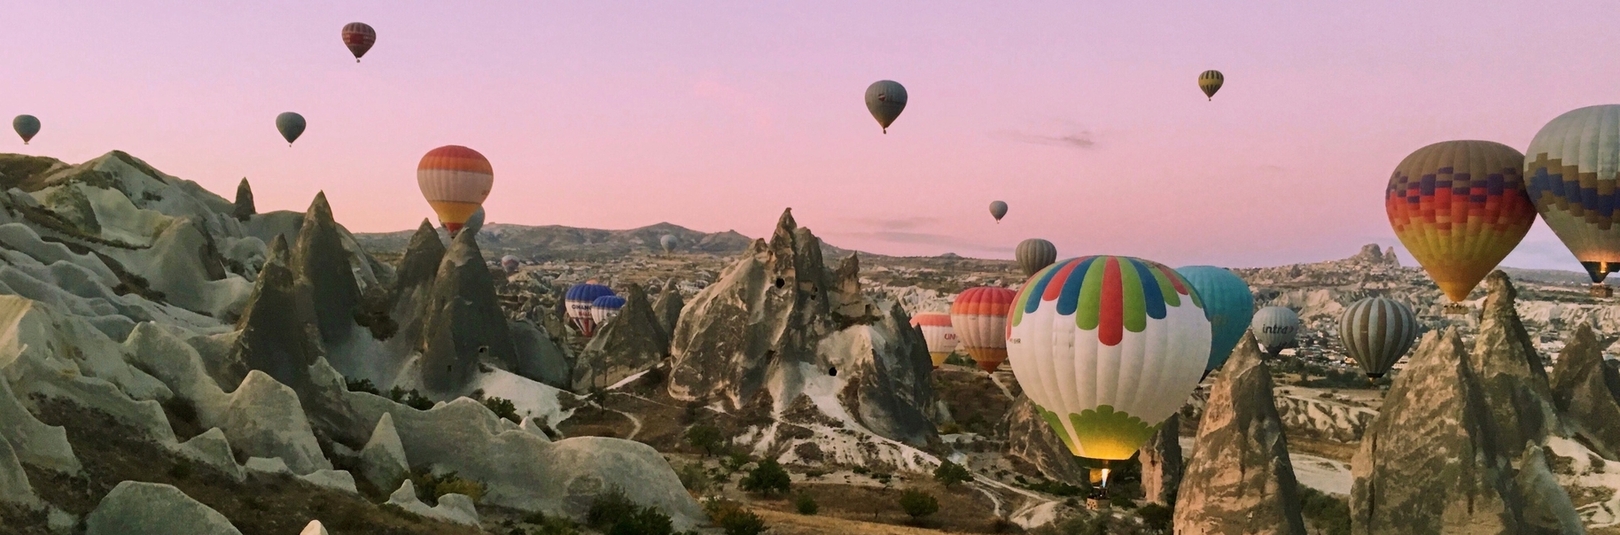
{"type": "Point", "coordinates": [1085, 117]}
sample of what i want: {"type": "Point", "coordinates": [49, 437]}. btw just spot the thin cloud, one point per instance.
{"type": "Point", "coordinates": [1082, 140]}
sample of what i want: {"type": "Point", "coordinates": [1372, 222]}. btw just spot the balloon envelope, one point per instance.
{"type": "Point", "coordinates": [1210, 82]}
{"type": "Point", "coordinates": [26, 126]}
{"type": "Point", "coordinates": [291, 125]}
{"type": "Point", "coordinates": [1276, 328]}
{"type": "Point", "coordinates": [1571, 167]}
{"type": "Point", "coordinates": [455, 180]}
{"type": "Point", "coordinates": [668, 242]}
{"type": "Point", "coordinates": [979, 316]}
{"type": "Point", "coordinates": [885, 99]}
{"type": "Point", "coordinates": [1229, 305]}
{"type": "Point", "coordinates": [605, 308]}
{"type": "Point", "coordinates": [938, 332]}
{"type": "Point", "coordinates": [1377, 331]}
{"type": "Point", "coordinates": [359, 37]}
{"type": "Point", "coordinates": [998, 209]}
{"type": "Point", "coordinates": [1034, 254]}
{"type": "Point", "coordinates": [579, 299]}
{"type": "Point", "coordinates": [510, 263]}
{"type": "Point", "coordinates": [1460, 207]}
{"type": "Point", "coordinates": [1107, 347]}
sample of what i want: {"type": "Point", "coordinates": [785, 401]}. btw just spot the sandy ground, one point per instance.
{"type": "Point", "coordinates": [794, 524]}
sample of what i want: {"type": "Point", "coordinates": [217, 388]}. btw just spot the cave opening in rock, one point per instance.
{"type": "Point", "coordinates": [833, 371]}
{"type": "Point", "coordinates": [780, 283]}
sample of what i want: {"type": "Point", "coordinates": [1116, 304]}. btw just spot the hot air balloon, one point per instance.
{"type": "Point", "coordinates": [359, 37]}
{"type": "Point", "coordinates": [1571, 167]}
{"type": "Point", "coordinates": [998, 210]}
{"type": "Point", "coordinates": [605, 308]}
{"type": "Point", "coordinates": [1107, 347]}
{"type": "Point", "coordinates": [979, 317]}
{"type": "Point", "coordinates": [510, 263]}
{"type": "Point", "coordinates": [885, 99]}
{"type": "Point", "coordinates": [291, 125]}
{"type": "Point", "coordinates": [1034, 254]}
{"type": "Point", "coordinates": [937, 330]}
{"type": "Point", "coordinates": [455, 180]}
{"type": "Point", "coordinates": [26, 126]}
{"type": "Point", "coordinates": [579, 299]}
{"type": "Point", "coordinates": [1210, 82]}
{"type": "Point", "coordinates": [1376, 331]}
{"type": "Point", "coordinates": [1276, 328]}
{"type": "Point", "coordinates": [1460, 208]}
{"type": "Point", "coordinates": [668, 242]}
{"type": "Point", "coordinates": [1229, 305]}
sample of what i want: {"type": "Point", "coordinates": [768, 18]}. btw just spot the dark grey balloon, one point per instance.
{"type": "Point", "coordinates": [1035, 254]}
{"type": "Point", "coordinates": [885, 99]}
{"type": "Point", "coordinates": [26, 126]}
{"type": "Point", "coordinates": [998, 210]}
{"type": "Point", "coordinates": [291, 125]}
{"type": "Point", "coordinates": [668, 242]}
{"type": "Point", "coordinates": [1377, 332]}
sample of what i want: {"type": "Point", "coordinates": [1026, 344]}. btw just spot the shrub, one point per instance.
{"type": "Point", "coordinates": [768, 478]}
{"type": "Point", "coordinates": [733, 517]}
{"type": "Point", "coordinates": [429, 486]}
{"type": "Point", "coordinates": [411, 398]}
{"type": "Point", "coordinates": [363, 385]}
{"type": "Point", "coordinates": [550, 525]}
{"type": "Point", "coordinates": [736, 461]}
{"type": "Point", "coordinates": [614, 514]}
{"type": "Point", "coordinates": [609, 506]}
{"type": "Point", "coordinates": [918, 504]}
{"type": "Point", "coordinates": [707, 438]}
{"type": "Point", "coordinates": [504, 408]}
{"type": "Point", "coordinates": [1157, 516]}
{"type": "Point", "coordinates": [1055, 488]}
{"type": "Point", "coordinates": [950, 429]}
{"type": "Point", "coordinates": [806, 504]}
{"type": "Point", "coordinates": [950, 474]}
{"type": "Point", "coordinates": [695, 478]}
{"type": "Point", "coordinates": [1330, 514]}
{"type": "Point", "coordinates": [1121, 500]}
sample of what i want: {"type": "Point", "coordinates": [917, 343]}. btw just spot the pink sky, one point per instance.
{"type": "Point", "coordinates": [1086, 119]}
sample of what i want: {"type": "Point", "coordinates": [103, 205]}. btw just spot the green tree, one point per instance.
{"type": "Point", "coordinates": [707, 438]}
{"type": "Point", "coordinates": [918, 504]}
{"type": "Point", "coordinates": [806, 504]}
{"type": "Point", "coordinates": [949, 474]}
{"type": "Point", "coordinates": [767, 478]}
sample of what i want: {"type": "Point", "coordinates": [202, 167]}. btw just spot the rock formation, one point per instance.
{"type": "Point", "coordinates": [667, 308]}
{"type": "Point", "coordinates": [15, 490]}
{"type": "Point", "coordinates": [539, 357]}
{"type": "Point", "coordinates": [630, 343]}
{"type": "Point", "coordinates": [243, 208]}
{"type": "Point", "coordinates": [463, 323]}
{"type": "Point", "coordinates": [773, 323]}
{"type": "Point", "coordinates": [1035, 449]}
{"type": "Point", "coordinates": [456, 508]}
{"type": "Point", "coordinates": [1162, 463]}
{"type": "Point", "coordinates": [1587, 393]}
{"type": "Point", "coordinates": [278, 333]}
{"type": "Point", "coordinates": [264, 419]}
{"type": "Point", "coordinates": [382, 461]}
{"type": "Point", "coordinates": [1240, 480]}
{"type": "Point", "coordinates": [1510, 372]}
{"type": "Point", "coordinates": [1547, 507]}
{"type": "Point", "coordinates": [412, 287]}
{"type": "Point", "coordinates": [136, 508]}
{"type": "Point", "coordinates": [1431, 463]}
{"type": "Point", "coordinates": [322, 264]}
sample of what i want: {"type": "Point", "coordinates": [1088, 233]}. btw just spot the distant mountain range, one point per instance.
{"type": "Point", "coordinates": [556, 242]}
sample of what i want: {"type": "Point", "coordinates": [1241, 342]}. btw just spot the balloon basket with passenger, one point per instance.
{"type": "Point", "coordinates": [1455, 309]}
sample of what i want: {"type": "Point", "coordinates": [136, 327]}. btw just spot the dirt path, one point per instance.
{"type": "Point", "coordinates": [792, 524]}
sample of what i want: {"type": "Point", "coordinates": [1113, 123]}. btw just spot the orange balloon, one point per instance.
{"type": "Point", "coordinates": [1460, 207]}
{"type": "Point", "coordinates": [979, 316]}
{"type": "Point", "coordinates": [455, 180]}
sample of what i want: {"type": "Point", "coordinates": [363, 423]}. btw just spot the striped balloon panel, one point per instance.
{"type": "Point", "coordinates": [1034, 254]}
{"type": "Point", "coordinates": [1571, 167]}
{"type": "Point", "coordinates": [455, 180]}
{"type": "Point", "coordinates": [1460, 207]}
{"type": "Point", "coordinates": [1107, 347]}
{"type": "Point", "coordinates": [578, 302]}
{"type": "Point", "coordinates": [1229, 305]}
{"type": "Point", "coordinates": [1276, 328]}
{"type": "Point", "coordinates": [1377, 331]}
{"type": "Point", "coordinates": [938, 333]}
{"type": "Point", "coordinates": [358, 37]}
{"type": "Point", "coordinates": [605, 308]}
{"type": "Point", "coordinates": [979, 317]}
{"type": "Point", "coordinates": [1210, 82]}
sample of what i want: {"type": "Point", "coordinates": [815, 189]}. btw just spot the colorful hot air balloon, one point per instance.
{"type": "Point", "coordinates": [937, 330]}
{"type": "Point", "coordinates": [1229, 305]}
{"type": "Point", "coordinates": [1571, 167]}
{"type": "Point", "coordinates": [668, 242]}
{"type": "Point", "coordinates": [1276, 328]}
{"type": "Point", "coordinates": [579, 299]}
{"type": "Point", "coordinates": [885, 99]}
{"type": "Point", "coordinates": [1107, 347]}
{"type": "Point", "coordinates": [998, 210]}
{"type": "Point", "coordinates": [26, 126]}
{"type": "Point", "coordinates": [1460, 208]}
{"type": "Point", "coordinates": [605, 308]}
{"type": "Point", "coordinates": [979, 317]}
{"type": "Point", "coordinates": [1376, 332]}
{"type": "Point", "coordinates": [510, 263]}
{"type": "Point", "coordinates": [359, 37]}
{"type": "Point", "coordinates": [455, 180]}
{"type": "Point", "coordinates": [1034, 254]}
{"type": "Point", "coordinates": [1210, 82]}
{"type": "Point", "coordinates": [291, 125]}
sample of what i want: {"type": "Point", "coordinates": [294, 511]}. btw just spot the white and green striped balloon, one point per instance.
{"type": "Point", "coordinates": [1376, 332]}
